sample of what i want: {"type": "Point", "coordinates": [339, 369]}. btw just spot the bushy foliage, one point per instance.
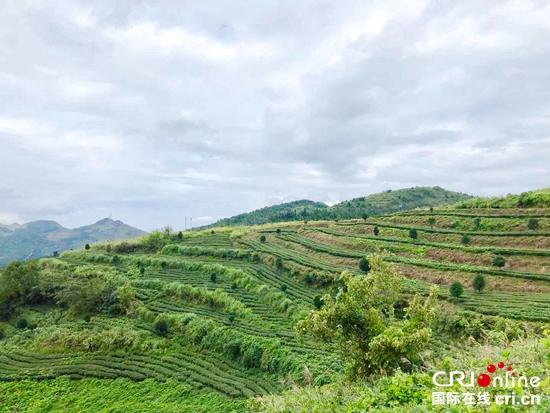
{"type": "Point", "coordinates": [456, 289]}
{"type": "Point", "coordinates": [479, 283]}
{"type": "Point", "coordinates": [499, 261]}
{"type": "Point", "coordinates": [533, 223]}
{"type": "Point", "coordinates": [531, 199]}
{"type": "Point", "coordinates": [364, 265]}
{"type": "Point", "coordinates": [361, 321]}
{"type": "Point", "coordinates": [413, 233]}
{"type": "Point", "coordinates": [465, 239]}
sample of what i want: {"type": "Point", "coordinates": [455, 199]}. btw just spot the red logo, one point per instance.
{"type": "Point", "coordinates": [484, 380]}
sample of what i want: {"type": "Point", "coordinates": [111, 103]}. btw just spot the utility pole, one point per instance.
{"type": "Point", "coordinates": [191, 224]}
{"type": "Point", "coordinates": [185, 223]}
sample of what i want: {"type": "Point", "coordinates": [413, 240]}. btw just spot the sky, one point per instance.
{"type": "Point", "coordinates": [151, 112]}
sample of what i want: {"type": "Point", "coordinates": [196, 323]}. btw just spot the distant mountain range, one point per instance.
{"type": "Point", "coordinates": [41, 238]}
{"type": "Point", "coordinates": [375, 204]}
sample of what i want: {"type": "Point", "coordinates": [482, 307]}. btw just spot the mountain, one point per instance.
{"type": "Point", "coordinates": [40, 238]}
{"type": "Point", "coordinates": [375, 204]}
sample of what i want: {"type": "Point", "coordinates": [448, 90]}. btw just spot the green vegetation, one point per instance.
{"type": "Point", "coordinates": [531, 199]}
{"type": "Point", "coordinates": [375, 204]}
{"type": "Point", "coordinates": [325, 316]}
{"type": "Point", "coordinates": [456, 289]}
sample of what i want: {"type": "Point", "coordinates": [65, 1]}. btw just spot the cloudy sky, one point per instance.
{"type": "Point", "coordinates": [156, 111]}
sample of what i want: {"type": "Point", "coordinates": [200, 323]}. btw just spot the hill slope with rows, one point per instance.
{"type": "Point", "coordinates": [212, 313]}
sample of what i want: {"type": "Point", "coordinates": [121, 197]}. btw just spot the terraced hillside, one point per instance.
{"type": "Point", "coordinates": [215, 310]}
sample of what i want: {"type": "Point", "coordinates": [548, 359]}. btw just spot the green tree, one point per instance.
{"type": "Point", "coordinates": [456, 289]}
{"type": "Point", "coordinates": [431, 221]}
{"type": "Point", "coordinates": [533, 223]}
{"type": "Point", "coordinates": [87, 246]}
{"type": "Point", "coordinates": [499, 261]}
{"type": "Point", "coordinates": [262, 238]}
{"type": "Point", "coordinates": [479, 283]}
{"type": "Point", "coordinates": [431, 209]}
{"type": "Point", "coordinates": [56, 253]}
{"type": "Point", "coordinates": [167, 231]}
{"type": "Point", "coordinates": [278, 230]}
{"type": "Point", "coordinates": [465, 239]}
{"type": "Point", "coordinates": [180, 235]}
{"type": "Point", "coordinates": [364, 216]}
{"type": "Point", "coordinates": [318, 302]}
{"type": "Point", "coordinates": [279, 264]}
{"type": "Point", "coordinates": [361, 321]}
{"type": "Point", "coordinates": [22, 323]}
{"type": "Point", "coordinates": [376, 231]}
{"type": "Point", "coordinates": [284, 287]}
{"type": "Point", "coordinates": [142, 270]}
{"type": "Point", "coordinates": [364, 265]}
{"type": "Point", "coordinates": [413, 233]}
{"type": "Point", "coordinates": [477, 222]}
{"type": "Point", "coordinates": [213, 277]}
{"type": "Point", "coordinates": [108, 248]}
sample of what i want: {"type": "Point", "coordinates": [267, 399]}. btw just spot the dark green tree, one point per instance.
{"type": "Point", "coordinates": [431, 209]}
{"type": "Point", "coordinates": [364, 265]}
{"type": "Point", "coordinates": [456, 289]}
{"type": "Point", "coordinates": [161, 326]}
{"type": "Point", "coordinates": [213, 277]}
{"type": "Point", "coordinates": [142, 270]}
{"type": "Point", "coordinates": [318, 302]}
{"type": "Point", "coordinates": [533, 223]}
{"type": "Point", "coordinates": [262, 238]}
{"type": "Point", "coordinates": [279, 264]}
{"type": "Point", "coordinates": [431, 221]}
{"type": "Point", "coordinates": [364, 216]}
{"type": "Point", "coordinates": [284, 287]}
{"type": "Point", "coordinates": [465, 239]}
{"type": "Point", "coordinates": [479, 283]}
{"type": "Point", "coordinates": [477, 222]}
{"type": "Point", "coordinates": [56, 253]}
{"type": "Point", "coordinates": [22, 323]}
{"type": "Point", "coordinates": [376, 231]}
{"type": "Point", "coordinates": [278, 230]}
{"type": "Point", "coordinates": [87, 246]}
{"type": "Point", "coordinates": [180, 235]}
{"type": "Point", "coordinates": [499, 261]}
{"type": "Point", "coordinates": [413, 233]}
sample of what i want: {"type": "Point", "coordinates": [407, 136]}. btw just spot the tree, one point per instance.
{"type": "Point", "coordinates": [213, 277]}
{"type": "Point", "coordinates": [180, 235]}
{"type": "Point", "coordinates": [376, 231]}
{"type": "Point", "coordinates": [212, 232]}
{"type": "Point", "coordinates": [364, 265]}
{"type": "Point", "coordinates": [456, 289]}
{"type": "Point", "coordinates": [22, 323]}
{"type": "Point", "coordinates": [161, 326]}
{"type": "Point", "coordinates": [318, 302]}
{"type": "Point", "coordinates": [279, 264]}
{"type": "Point", "coordinates": [262, 238]}
{"type": "Point", "coordinates": [284, 287]}
{"type": "Point", "coordinates": [533, 223]}
{"type": "Point", "coordinates": [108, 248]}
{"type": "Point", "coordinates": [278, 230]}
{"type": "Point", "coordinates": [431, 209]}
{"type": "Point", "coordinates": [364, 216]}
{"type": "Point", "coordinates": [431, 221]}
{"type": "Point", "coordinates": [413, 233]}
{"type": "Point", "coordinates": [479, 283]}
{"type": "Point", "coordinates": [56, 253]}
{"type": "Point", "coordinates": [142, 270]}
{"type": "Point", "coordinates": [477, 222]}
{"type": "Point", "coordinates": [361, 321]}
{"type": "Point", "coordinates": [499, 261]}
{"type": "Point", "coordinates": [305, 222]}
{"type": "Point", "coordinates": [167, 231]}
{"type": "Point", "coordinates": [465, 239]}
{"type": "Point", "coordinates": [87, 246]}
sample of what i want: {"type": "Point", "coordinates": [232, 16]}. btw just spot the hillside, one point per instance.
{"type": "Point", "coordinates": [375, 204]}
{"type": "Point", "coordinates": [530, 199]}
{"type": "Point", "coordinates": [41, 238]}
{"type": "Point", "coordinates": [208, 322]}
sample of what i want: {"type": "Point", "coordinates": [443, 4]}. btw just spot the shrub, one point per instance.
{"type": "Point", "coordinates": [108, 248]}
{"type": "Point", "coordinates": [278, 230]}
{"type": "Point", "coordinates": [180, 235]}
{"type": "Point", "coordinates": [163, 264]}
{"type": "Point", "coordinates": [115, 260]}
{"type": "Point", "coordinates": [284, 287]}
{"type": "Point", "coordinates": [431, 209]}
{"type": "Point", "coordinates": [161, 327]}
{"type": "Point", "coordinates": [87, 246]}
{"type": "Point", "coordinates": [413, 233]}
{"type": "Point", "coordinates": [456, 289]}
{"type": "Point", "coordinates": [22, 323]}
{"type": "Point", "coordinates": [364, 265]}
{"type": "Point", "coordinates": [376, 231]}
{"type": "Point", "coordinates": [499, 261]}
{"type": "Point", "coordinates": [479, 283]}
{"type": "Point", "coordinates": [364, 216]}
{"type": "Point", "coordinates": [142, 270]}
{"type": "Point", "coordinates": [318, 302]}
{"type": "Point", "coordinates": [279, 264]}
{"type": "Point", "coordinates": [431, 221]}
{"type": "Point", "coordinates": [465, 239]}
{"type": "Point", "coordinates": [477, 222]}
{"type": "Point", "coordinates": [213, 277]}
{"type": "Point", "coordinates": [262, 238]}
{"type": "Point", "coordinates": [533, 223]}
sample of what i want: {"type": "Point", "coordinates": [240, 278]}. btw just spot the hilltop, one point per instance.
{"type": "Point", "coordinates": [531, 199]}
{"type": "Point", "coordinates": [375, 204]}
{"type": "Point", "coordinates": [40, 238]}
{"type": "Point", "coordinates": [268, 318]}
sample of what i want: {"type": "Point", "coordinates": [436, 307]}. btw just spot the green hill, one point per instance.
{"type": "Point", "coordinates": [375, 204]}
{"type": "Point", "coordinates": [208, 321]}
{"type": "Point", "coordinates": [531, 199]}
{"type": "Point", "coordinates": [41, 238]}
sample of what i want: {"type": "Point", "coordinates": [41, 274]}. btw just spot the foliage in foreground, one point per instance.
{"type": "Point", "coordinates": [363, 322]}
